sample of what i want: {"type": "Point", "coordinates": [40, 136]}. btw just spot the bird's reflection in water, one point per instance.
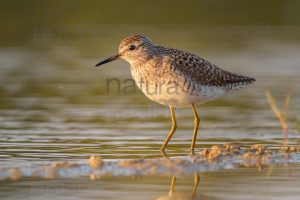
{"type": "Point", "coordinates": [177, 195]}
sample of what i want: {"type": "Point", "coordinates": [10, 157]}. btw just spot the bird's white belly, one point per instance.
{"type": "Point", "coordinates": [175, 95]}
{"type": "Point", "coordinates": [185, 99]}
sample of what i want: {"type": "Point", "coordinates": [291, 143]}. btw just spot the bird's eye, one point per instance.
{"type": "Point", "coordinates": [132, 47]}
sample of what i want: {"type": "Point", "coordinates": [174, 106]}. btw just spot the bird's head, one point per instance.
{"type": "Point", "coordinates": [134, 48]}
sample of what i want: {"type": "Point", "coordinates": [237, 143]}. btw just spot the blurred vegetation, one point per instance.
{"type": "Point", "coordinates": [20, 19]}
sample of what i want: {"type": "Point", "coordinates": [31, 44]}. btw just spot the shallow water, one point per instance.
{"type": "Point", "coordinates": [54, 106]}
{"type": "Point", "coordinates": [242, 183]}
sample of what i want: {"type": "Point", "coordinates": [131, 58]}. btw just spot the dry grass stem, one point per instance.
{"type": "Point", "coordinates": [279, 114]}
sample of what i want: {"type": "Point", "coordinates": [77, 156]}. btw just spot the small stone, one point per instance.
{"type": "Point", "coordinates": [215, 152]}
{"type": "Point", "coordinates": [285, 149]}
{"type": "Point", "coordinates": [249, 159]}
{"type": "Point", "coordinates": [232, 149]}
{"type": "Point", "coordinates": [204, 153]}
{"type": "Point", "coordinates": [248, 155]}
{"type": "Point", "coordinates": [95, 161]}
{"type": "Point", "coordinates": [93, 177]}
{"type": "Point", "coordinates": [259, 149]}
{"type": "Point", "coordinates": [50, 172]}
{"type": "Point", "coordinates": [15, 174]}
{"type": "Point", "coordinates": [292, 149]}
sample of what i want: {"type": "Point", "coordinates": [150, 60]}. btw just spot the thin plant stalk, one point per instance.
{"type": "Point", "coordinates": [279, 114]}
{"type": "Point", "coordinates": [287, 102]}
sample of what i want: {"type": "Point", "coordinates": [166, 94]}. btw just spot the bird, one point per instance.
{"type": "Point", "coordinates": [175, 78]}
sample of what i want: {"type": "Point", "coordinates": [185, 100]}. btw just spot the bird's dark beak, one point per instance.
{"type": "Point", "coordinates": [112, 58]}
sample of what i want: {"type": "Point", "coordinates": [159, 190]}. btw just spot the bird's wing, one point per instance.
{"type": "Point", "coordinates": [204, 72]}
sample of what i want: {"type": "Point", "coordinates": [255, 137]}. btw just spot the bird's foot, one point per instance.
{"type": "Point", "coordinates": [163, 153]}
{"type": "Point", "coordinates": [192, 153]}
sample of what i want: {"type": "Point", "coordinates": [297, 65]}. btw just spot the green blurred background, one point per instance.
{"type": "Point", "coordinates": [61, 34]}
{"type": "Point", "coordinates": [22, 21]}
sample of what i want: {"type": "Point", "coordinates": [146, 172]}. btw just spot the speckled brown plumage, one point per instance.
{"type": "Point", "coordinates": [202, 71]}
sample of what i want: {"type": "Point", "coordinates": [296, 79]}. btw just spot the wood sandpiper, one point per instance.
{"type": "Point", "coordinates": [175, 78]}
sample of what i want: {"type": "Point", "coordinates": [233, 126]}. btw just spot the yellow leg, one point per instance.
{"type": "Point", "coordinates": [196, 183]}
{"type": "Point", "coordinates": [196, 125]}
{"type": "Point", "coordinates": [174, 126]}
{"type": "Point", "coordinates": [172, 185]}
